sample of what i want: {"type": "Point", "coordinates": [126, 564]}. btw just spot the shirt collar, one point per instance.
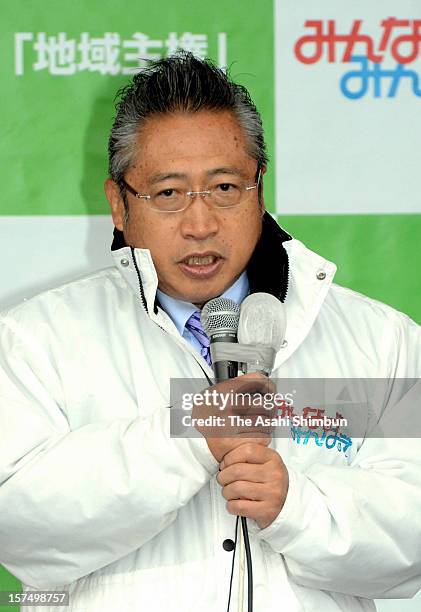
{"type": "Point", "coordinates": [138, 269]}
{"type": "Point", "coordinates": [180, 311]}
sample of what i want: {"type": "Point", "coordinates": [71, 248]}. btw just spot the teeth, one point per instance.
{"type": "Point", "coordinates": [201, 261]}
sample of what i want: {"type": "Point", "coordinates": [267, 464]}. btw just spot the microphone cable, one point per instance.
{"type": "Point", "coordinates": [232, 564]}
{"type": "Point", "coordinates": [249, 564]}
{"type": "Point", "coordinates": [248, 561]}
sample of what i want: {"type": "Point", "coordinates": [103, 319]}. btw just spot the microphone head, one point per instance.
{"type": "Point", "coordinates": [220, 315]}
{"type": "Point", "coordinates": [262, 321]}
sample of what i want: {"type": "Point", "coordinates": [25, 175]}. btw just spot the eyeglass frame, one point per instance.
{"type": "Point", "coordinates": [123, 184]}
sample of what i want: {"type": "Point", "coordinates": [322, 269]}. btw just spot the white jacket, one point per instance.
{"type": "Point", "coordinates": [96, 498]}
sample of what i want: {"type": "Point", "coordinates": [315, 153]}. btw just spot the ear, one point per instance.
{"type": "Point", "coordinates": [261, 191]}
{"type": "Point", "coordinates": [112, 191]}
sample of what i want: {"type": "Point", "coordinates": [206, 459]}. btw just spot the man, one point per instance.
{"type": "Point", "coordinates": [96, 497]}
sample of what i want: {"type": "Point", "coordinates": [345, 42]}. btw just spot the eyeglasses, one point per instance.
{"type": "Point", "coordinates": [218, 194]}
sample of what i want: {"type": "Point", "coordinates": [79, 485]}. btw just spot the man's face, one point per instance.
{"type": "Point", "coordinates": [189, 151]}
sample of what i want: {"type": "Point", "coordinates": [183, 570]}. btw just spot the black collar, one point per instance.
{"type": "Point", "coordinates": [268, 268]}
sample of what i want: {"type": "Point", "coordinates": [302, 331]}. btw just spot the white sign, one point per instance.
{"type": "Point", "coordinates": [348, 106]}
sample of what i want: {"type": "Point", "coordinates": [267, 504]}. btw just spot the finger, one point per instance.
{"type": "Point", "coordinates": [250, 437]}
{"type": "Point", "coordinates": [249, 383]}
{"type": "Point", "coordinates": [252, 406]}
{"type": "Point", "coordinates": [241, 489]}
{"type": "Point", "coordinates": [269, 472]}
{"type": "Point", "coordinates": [247, 453]}
{"type": "Point", "coordinates": [263, 383]}
{"type": "Point", "coordinates": [254, 431]}
{"type": "Point", "coordinates": [260, 435]}
{"type": "Point", "coordinates": [241, 471]}
{"type": "Point", "coordinates": [245, 507]}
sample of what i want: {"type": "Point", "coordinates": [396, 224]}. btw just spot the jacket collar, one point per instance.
{"type": "Point", "coordinates": [267, 270]}
{"type": "Point", "coordinates": [280, 265]}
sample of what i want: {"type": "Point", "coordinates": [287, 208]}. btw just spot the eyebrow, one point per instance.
{"type": "Point", "coordinates": [158, 178]}
{"type": "Point", "coordinates": [226, 170]}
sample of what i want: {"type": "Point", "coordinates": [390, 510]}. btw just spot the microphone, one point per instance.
{"type": "Point", "coordinates": [262, 326]}
{"type": "Point", "coordinates": [261, 331]}
{"type": "Point", "coordinates": [219, 319]}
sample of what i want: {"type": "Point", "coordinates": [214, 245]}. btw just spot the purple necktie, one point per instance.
{"type": "Point", "coordinates": [195, 327]}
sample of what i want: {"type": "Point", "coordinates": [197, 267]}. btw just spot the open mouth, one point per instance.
{"type": "Point", "coordinates": [201, 266]}
{"type": "Point", "coordinates": [195, 260]}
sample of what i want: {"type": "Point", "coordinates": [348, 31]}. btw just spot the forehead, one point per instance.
{"type": "Point", "coordinates": [191, 143]}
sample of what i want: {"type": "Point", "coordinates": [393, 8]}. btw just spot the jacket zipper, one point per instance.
{"type": "Point", "coordinates": [142, 295]}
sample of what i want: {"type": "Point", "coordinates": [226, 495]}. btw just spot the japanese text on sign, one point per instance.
{"type": "Point", "coordinates": [399, 40]}
{"type": "Point", "coordinates": [109, 54]}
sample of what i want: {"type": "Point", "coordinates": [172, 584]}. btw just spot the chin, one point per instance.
{"type": "Point", "coordinates": [199, 298]}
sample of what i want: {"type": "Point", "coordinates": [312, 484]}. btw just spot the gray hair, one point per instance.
{"type": "Point", "coordinates": [185, 83]}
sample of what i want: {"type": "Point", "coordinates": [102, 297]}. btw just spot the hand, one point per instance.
{"type": "Point", "coordinates": [240, 392]}
{"type": "Point", "coordinates": [255, 482]}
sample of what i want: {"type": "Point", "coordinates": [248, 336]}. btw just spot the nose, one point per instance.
{"type": "Point", "coordinates": [200, 219]}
